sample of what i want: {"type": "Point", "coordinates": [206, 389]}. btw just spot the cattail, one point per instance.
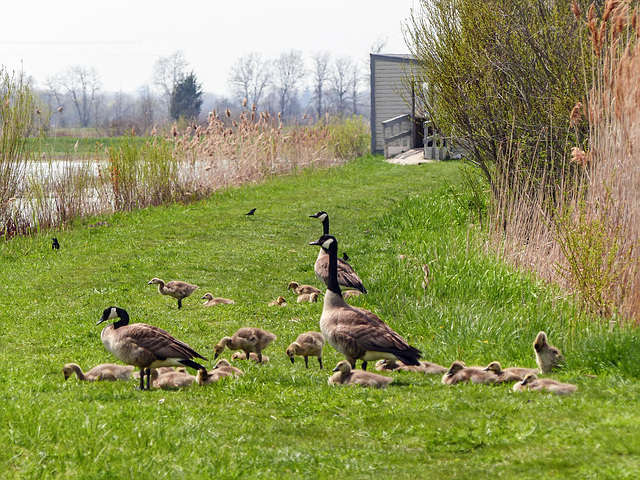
{"type": "Point", "coordinates": [609, 7]}
{"type": "Point", "coordinates": [60, 109]}
{"type": "Point", "coordinates": [174, 130]}
{"type": "Point", "coordinates": [228, 112]}
{"type": "Point", "coordinates": [38, 111]}
{"type": "Point", "coordinates": [576, 115]}
{"type": "Point", "coordinates": [153, 131]}
{"type": "Point", "coordinates": [579, 156]}
{"type": "Point", "coordinates": [244, 102]}
{"type": "Point", "coordinates": [254, 107]}
{"type": "Point", "coordinates": [576, 9]}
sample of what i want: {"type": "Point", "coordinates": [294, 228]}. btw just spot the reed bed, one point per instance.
{"type": "Point", "coordinates": [582, 230]}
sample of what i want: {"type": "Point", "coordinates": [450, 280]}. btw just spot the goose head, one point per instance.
{"type": "Point", "coordinates": [456, 367]}
{"type": "Point", "coordinates": [494, 367]}
{"type": "Point", "coordinates": [343, 366]}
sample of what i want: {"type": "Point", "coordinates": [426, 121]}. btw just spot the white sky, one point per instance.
{"type": "Point", "coordinates": [123, 39]}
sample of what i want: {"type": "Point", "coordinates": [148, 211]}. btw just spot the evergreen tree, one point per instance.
{"type": "Point", "coordinates": [186, 98]}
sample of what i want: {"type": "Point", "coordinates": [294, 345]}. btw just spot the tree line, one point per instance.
{"type": "Point", "coordinates": [290, 85]}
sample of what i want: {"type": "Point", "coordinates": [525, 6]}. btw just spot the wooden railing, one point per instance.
{"type": "Point", "coordinates": [396, 133]}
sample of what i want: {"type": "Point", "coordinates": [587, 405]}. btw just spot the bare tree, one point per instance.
{"type": "Point", "coordinates": [249, 78]}
{"type": "Point", "coordinates": [145, 109]}
{"type": "Point", "coordinates": [168, 72]}
{"type": "Point", "coordinates": [354, 84]}
{"type": "Point", "coordinates": [321, 63]}
{"type": "Point", "coordinates": [290, 71]}
{"type": "Point", "coordinates": [342, 68]}
{"type": "Point", "coordinates": [378, 46]}
{"type": "Point", "coordinates": [81, 86]}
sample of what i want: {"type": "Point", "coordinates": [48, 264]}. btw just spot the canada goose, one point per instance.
{"type": "Point", "coordinates": [278, 302]}
{"type": "Point", "coordinates": [248, 339]}
{"type": "Point", "coordinates": [251, 212]}
{"type": "Point", "coordinates": [548, 358]}
{"type": "Point", "coordinates": [532, 382]}
{"type": "Point", "coordinates": [460, 373]}
{"type": "Point", "coordinates": [55, 245]}
{"type": "Point", "coordinates": [171, 379]}
{"type": "Point", "coordinates": [211, 300]}
{"type": "Point", "coordinates": [511, 374]}
{"type": "Point", "coordinates": [346, 276]}
{"type": "Point", "coordinates": [106, 371]}
{"type": "Point", "coordinates": [174, 288]}
{"type": "Point", "coordinates": [351, 293]}
{"type": "Point", "coordinates": [300, 289]}
{"type": "Point", "coordinates": [252, 356]}
{"type": "Point", "coordinates": [427, 368]}
{"type": "Point", "coordinates": [309, 344]}
{"type": "Point", "coordinates": [346, 376]}
{"type": "Point", "coordinates": [144, 346]}
{"type": "Point", "coordinates": [355, 332]}
{"type": "Point", "coordinates": [307, 297]}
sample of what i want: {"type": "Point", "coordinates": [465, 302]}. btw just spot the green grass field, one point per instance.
{"type": "Point", "coordinates": [280, 420]}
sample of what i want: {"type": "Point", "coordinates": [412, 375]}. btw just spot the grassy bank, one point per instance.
{"type": "Point", "coordinates": [280, 420]}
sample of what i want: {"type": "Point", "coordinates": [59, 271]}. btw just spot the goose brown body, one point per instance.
{"type": "Point", "coordinates": [105, 371]}
{"type": "Point", "coordinates": [303, 289]}
{"type": "Point", "coordinates": [532, 382]}
{"type": "Point", "coordinates": [248, 339]}
{"type": "Point", "coordinates": [347, 277]}
{"type": "Point", "coordinates": [347, 376]}
{"type": "Point", "coordinates": [308, 344]}
{"type": "Point", "coordinates": [355, 332]}
{"type": "Point", "coordinates": [460, 373]}
{"type": "Point", "coordinates": [144, 346]}
{"type": "Point", "coordinates": [175, 288]}
{"type": "Point", "coordinates": [510, 374]}
{"type": "Point", "coordinates": [212, 301]}
{"type": "Point", "coordinates": [548, 357]}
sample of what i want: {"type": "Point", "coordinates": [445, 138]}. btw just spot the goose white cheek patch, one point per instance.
{"type": "Point", "coordinates": [326, 244]}
{"type": "Point", "coordinates": [113, 314]}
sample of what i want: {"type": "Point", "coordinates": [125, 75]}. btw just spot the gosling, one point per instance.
{"type": "Point", "coordinates": [460, 373]}
{"type": "Point", "coordinates": [252, 356]}
{"type": "Point", "coordinates": [428, 368]}
{"type": "Point", "coordinates": [308, 297]}
{"type": "Point", "coordinates": [211, 300]}
{"type": "Point", "coordinates": [511, 374]}
{"type": "Point", "coordinates": [300, 289]}
{"type": "Point", "coordinates": [548, 358]}
{"type": "Point", "coordinates": [278, 302]}
{"type": "Point", "coordinates": [106, 372]}
{"type": "Point", "coordinates": [346, 376]}
{"type": "Point", "coordinates": [532, 382]}
{"type": "Point", "coordinates": [171, 380]}
{"type": "Point", "coordinates": [248, 339]}
{"type": "Point", "coordinates": [174, 288]}
{"type": "Point", "coordinates": [221, 370]}
{"type": "Point", "coordinates": [309, 344]}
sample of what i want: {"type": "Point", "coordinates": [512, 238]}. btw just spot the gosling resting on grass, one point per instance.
{"type": "Point", "coordinates": [355, 332]}
{"type": "Point", "coordinates": [211, 300]}
{"type": "Point", "coordinates": [248, 339]}
{"type": "Point", "coordinates": [427, 368]}
{"type": "Point", "coordinates": [252, 356]}
{"type": "Point", "coordinates": [511, 374]}
{"type": "Point", "coordinates": [278, 302]}
{"type": "Point", "coordinates": [174, 288]}
{"type": "Point", "coordinates": [460, 373]}
{"type": "Point", "coordinates": [346, 376]}
{"type": "Point", "coordinates": [548, 358]}
{"type": "Point", "coordinates": [144, 346]}
{"type": "Point", "coordinates": [309, 344]}
{"type": "Point", "coordinates": [307, 297]}
{"type": "Point", "coordinates": [532, 382]}
{"type": "Point", "coordinates": [106, 371]}
{"type": "Point", "coordinates": [300, 289]}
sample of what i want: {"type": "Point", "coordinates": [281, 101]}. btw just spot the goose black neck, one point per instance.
{"type": "Point", "coordinates": [124, 318]}
{"type": "Point", "coordinates": [333, 284]}
{"type": "Point", "coordinates": [325, 225]}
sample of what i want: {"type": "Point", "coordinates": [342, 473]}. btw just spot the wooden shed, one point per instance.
{"type": "Point", "coordinates": [396, 122]}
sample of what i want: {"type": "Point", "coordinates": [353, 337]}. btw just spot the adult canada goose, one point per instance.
{"type": "Point", "coordinates": [307, 297]}
{"type": "Point", "coordinates": [355, 332]}
{"type": "Point", "coordinates": [511, 374]}
{"type": "Point", "coordinates": [174, 288]}
{"type": "Point", "coordinates": [211, 300]}
{"type": "Point", "coordinates": [303, 289]}
{"type": "Point", "coordinates": [548, 358]}
{"type": "Point", "coordinates": [144, 346]}
{"type": "Point", "coordinates": [346, 276]}
{"type": "Point", "coordinates": [309, 344]}
{"type": "Point", "coordinates": [427, 368]}
{"type": "Point", "coordinates": [106, 371]}
{"type": "Point", "coordinates": [460, 373]}
{"type": "Point", "coordinates": [278, 302]}
{"type": "Point", "coordinates": [171, 380]}
{"type": "Point", "coordinates": [252, 356]}
{"type": "Point", "coordinates": [55, 245]}
{"type": "Point", "coordinates": [532, 382]}
{"type": "Point", "coordinates": [248, 339]}
{"type": "Point", "coordinates": [346, 376]}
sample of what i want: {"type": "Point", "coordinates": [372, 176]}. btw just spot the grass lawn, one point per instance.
{"type": "Point", "coordinates": [280, 420]}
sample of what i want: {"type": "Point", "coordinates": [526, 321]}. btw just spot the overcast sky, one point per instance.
{"type": "Point", "coordinates": [123, 39]}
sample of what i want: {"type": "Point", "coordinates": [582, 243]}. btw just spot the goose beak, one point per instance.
{"type": "Point", "coordinates": [216, 356]}
{"type": "Point", "coordinates": [101, 320]}
{"type": "Point", "coordinates": [335, 369]}
{"type": "Point", "coordinates": [292, 360]}
{"type": "Point", "coordinates": [315, 215]}
{"type": "Point", "coordinates": [316, 242]}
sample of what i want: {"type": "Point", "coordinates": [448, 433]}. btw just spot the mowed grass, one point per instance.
{"type": "Point", "coordinates": [280, 420]}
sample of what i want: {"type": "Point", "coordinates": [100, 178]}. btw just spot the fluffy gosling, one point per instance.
{"type": "Point", "coordinates": [460, 373]}
{"type": "Point", "coordinates": [346, 376]}
{"type": "Point", "coordinates": [309, 344]}
{"type": "Point", "coordinates": [174, 288]}
{"type": "Point", "coordinates": [532, 382]}
{"type": "Point", "coordinates": [211, 300]}
{"type": "Point", "coordinates": [300, 289]}
{"type": "Point", "coordinates": [278, 302]}
{"type": "Point", "coordinates": [252, 356]}
{"type": "Point", "coordinates": [308, 297]}
{"type": "Point", "coordinates": [427, 368]}
{"type": "Point", "coordinates": [511, 374]}
{"type": "Point", "coordinates": [106, 372]}
{"type": "Point", "coordinates": [548, 358]}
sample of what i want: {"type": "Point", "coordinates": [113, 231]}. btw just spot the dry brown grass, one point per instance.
{"type": "Point", "coordinates": [584, 231]}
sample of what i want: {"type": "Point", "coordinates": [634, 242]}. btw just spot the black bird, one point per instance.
{"type": "Point", "coordinates": [345, 257]}
{"type": "Point", "coordinates": [251, 212]}
{"type": "Point", "coordinates": [55, 245]}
